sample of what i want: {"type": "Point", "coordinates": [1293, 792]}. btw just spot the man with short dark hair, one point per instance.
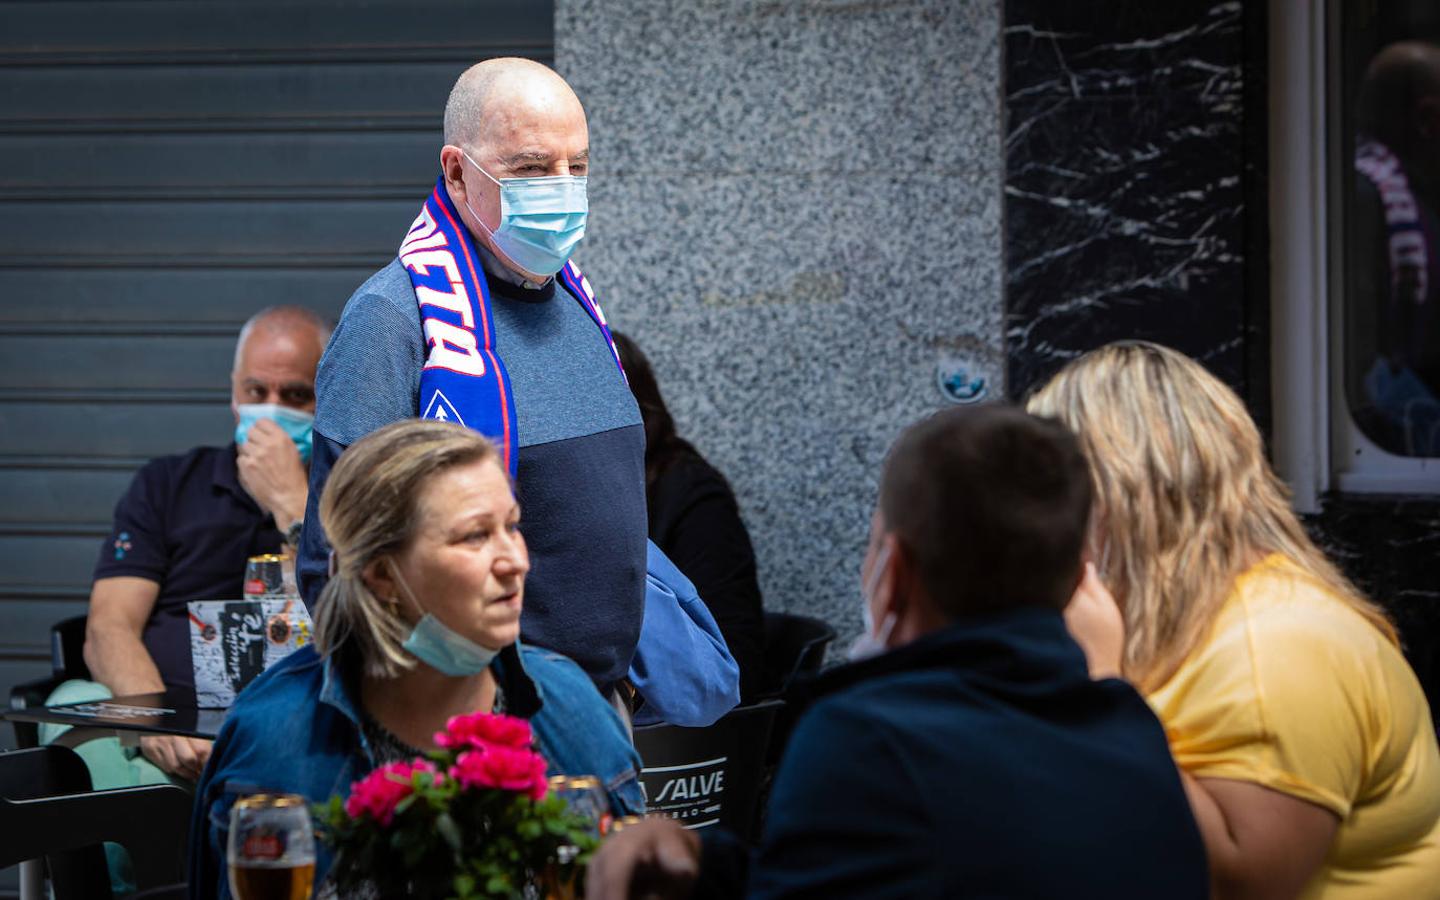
{"type": "Point", "coordinates": [974, 756]}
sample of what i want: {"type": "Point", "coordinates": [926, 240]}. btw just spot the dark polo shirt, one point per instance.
{"type": "Point", "coordinates": [187, 525]}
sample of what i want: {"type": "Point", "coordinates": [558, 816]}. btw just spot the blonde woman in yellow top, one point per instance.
{"type": "Point", "coordinates": [1302, 735]}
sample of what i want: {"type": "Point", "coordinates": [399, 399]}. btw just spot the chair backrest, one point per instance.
{"type": "Point", "coordinates": [42, 772]}
{"type": "Point", "coordinates": [48, 810]}
{"type": "Point", "coordinates": [49, 772]}
{"type": "Point", "coordinates": [793, 644]}
{"type": "Point", "coordinates": [708, 776]}
{"type": "Point", "coordinates": [67, 648]}
{"type": "Point", "coordinates": [67, 660]}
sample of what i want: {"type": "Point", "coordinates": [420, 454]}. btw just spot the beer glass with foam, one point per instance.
{"type": "Point", "coordinates": [271, 848]}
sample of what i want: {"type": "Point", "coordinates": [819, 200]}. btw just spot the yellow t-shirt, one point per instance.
{"type": "Point", "coordinates": [1297, 692]}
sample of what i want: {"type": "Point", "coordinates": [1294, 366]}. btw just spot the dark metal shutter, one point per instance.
{"type": "Point", "coordinates": [167, 168]}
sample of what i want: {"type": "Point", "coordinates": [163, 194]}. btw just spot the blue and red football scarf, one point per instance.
{"type": "Point", "coordinates": [464, 379]}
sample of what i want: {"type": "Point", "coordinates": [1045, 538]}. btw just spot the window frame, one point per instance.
{"type": "Point", "coordinates": [1317, 446]}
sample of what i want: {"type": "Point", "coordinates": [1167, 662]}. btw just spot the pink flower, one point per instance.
{"type": "Point", "coordinates": [521, 771]}
{"type": "Point", "coordinates": [481, 730]}
{"type": "Point", "coordinates": [377, 794]}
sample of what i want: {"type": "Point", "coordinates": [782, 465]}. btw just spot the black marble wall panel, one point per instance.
{"type": "Point", "coordinates": [1124, 194]}
{"type": "Point", "coordinates": [1390, 547]}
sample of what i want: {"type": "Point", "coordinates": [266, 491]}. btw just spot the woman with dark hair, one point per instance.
{"type": "Point", "coordinates": [695, 520]}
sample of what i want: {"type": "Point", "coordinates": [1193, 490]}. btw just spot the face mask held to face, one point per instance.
{"type": "Point", "coordinates": [542, 220]}
{"type": "Point", "coordinates": [297, 423]}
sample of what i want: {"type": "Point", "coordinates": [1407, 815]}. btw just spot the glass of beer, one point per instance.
{"type": "Point", "coordinates": [625, 822]}
{"type": "Point", "coordinates": [272, 848]}
{"type": "Point", "coordinates": [585, 796]}
{"type": "Point", "coordinates": [265, 577]}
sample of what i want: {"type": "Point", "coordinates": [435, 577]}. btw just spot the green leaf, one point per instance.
{"type": "Point", "coordinates": [448, 830]}
{"type": "Point", "coordinates": [557, 826]}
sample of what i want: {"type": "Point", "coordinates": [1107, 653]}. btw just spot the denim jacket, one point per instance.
{"type": "Point", "coordinates": [682, 669]}
{"type": "Point", "coordinates": [296, 729]}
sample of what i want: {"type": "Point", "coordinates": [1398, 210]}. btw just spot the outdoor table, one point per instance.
{"type": "Point", "coordinates": [172, 711]}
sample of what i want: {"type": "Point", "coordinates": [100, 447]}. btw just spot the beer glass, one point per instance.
{"type": "Point", "coordinates": [272, 848]}
{"type": "Point", "coordinates": [264, 576]}
{"type": "Point", "coordinates": [625, 822]}
{"type": "Point", "coordinates": [585, 796]}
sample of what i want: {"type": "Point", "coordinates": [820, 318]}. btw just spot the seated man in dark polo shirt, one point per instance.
{"type": "Point", "coordinates": [188, 524]}
{"type": "Point", "coordinates": [975, 756]}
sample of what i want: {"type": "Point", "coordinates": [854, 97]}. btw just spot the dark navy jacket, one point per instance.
{"type": "Point", "coordinates": [979, 761]}
{"type": "Point", "coordinates": [296, 729]}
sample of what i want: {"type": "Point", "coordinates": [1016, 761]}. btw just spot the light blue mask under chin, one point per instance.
{"type": "Point", "coordinates": [435, 644]}
{"type": "Point", "coordinates": [297, 423]}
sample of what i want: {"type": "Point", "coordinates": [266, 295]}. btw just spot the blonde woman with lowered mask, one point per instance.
{"type": "Point", "coordinates": [1304, 740]}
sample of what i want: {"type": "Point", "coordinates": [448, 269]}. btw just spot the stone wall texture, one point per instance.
{"type": "Point", "coordinates": [796, 212]}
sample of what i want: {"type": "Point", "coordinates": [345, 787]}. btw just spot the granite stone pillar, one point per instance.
{"type": "Point", "coordinates": [796, 213]}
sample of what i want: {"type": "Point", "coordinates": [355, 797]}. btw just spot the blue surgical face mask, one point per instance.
{"type": "Point", "coordinates": [295, 422]}
{"type": "Point", "coordinates": [541, 219]}
{"type": "Point", "coordinates": [437, 645]}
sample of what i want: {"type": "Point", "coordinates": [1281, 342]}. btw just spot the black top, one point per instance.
{"type": "Point", "coordinates": [695, 520]}
{"type": "Point", "coordinates": [978, 761]}
{"type": "Point", "coordinates": [187, 525]}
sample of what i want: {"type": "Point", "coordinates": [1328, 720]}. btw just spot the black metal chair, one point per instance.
{"type": "Point", "coordinates": [47, 811]}
{"type": "Point", "coordinates": [67, 661]}
{"type": "Point", "coordinates": [793, 645]}
{"type": "Point", "coordinates": [708, 776]}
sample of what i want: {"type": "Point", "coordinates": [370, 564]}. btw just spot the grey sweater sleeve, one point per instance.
{"type": "Point", "coordinates": [368, 378]}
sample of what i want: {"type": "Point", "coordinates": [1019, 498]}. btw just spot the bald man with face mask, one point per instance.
{"type": "Point", "coordinates": [484, 319]}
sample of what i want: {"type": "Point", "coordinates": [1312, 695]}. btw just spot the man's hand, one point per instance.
{"type": "Point", "coordinates": [271, 472]}
{"type": "Point", "coordinates": [1094, 620]}
{"type": "Point", "coordinates": [181, 756]}
{"type": "Point", "coordinates": [652, 859]}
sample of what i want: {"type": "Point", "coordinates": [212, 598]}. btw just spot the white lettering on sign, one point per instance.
{"type": "Point", "coordinates": [692, 793]}
{"type": "Point", "coordinates": [693, 787]}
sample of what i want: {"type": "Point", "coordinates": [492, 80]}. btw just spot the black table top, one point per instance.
{"type": "Point", "coordinates": [169, 712]}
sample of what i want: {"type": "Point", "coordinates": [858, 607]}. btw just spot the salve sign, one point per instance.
{"type": "Point", "coordinates": [691, 794]}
